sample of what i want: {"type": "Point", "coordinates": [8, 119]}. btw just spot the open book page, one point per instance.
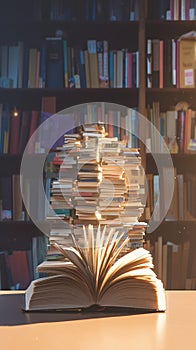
{"type": "Point", "coordinates": [63, 291]}
{"type": "Point", "coordinates": [97, 262]}
{"type": "Point", "coordinates": [60, 268]}
{"type": "Point", "coordinates": [97, 255]}
{"type": "Point", "coordinates": [132, 260]}
{"type": "Point", "coordinates": [135, 292]}
{"type": "Point", "coordinates": [94, 273]}
{"type": "Point", "coordinates": [78, 258]}
{"type": "Point", "coordinates": [108, 254]}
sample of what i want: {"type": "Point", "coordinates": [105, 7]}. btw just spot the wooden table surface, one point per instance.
{"type": "Point", "coordinates": [173, 330]}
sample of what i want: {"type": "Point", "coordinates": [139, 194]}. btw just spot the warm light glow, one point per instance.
{"type": "Point", "coordinates": [15, 112]}
{"type": "Point", "coordinates": [98, 215]}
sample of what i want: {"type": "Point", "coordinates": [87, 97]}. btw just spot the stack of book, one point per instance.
{"type": "Point", "coordinates": [100, 182]}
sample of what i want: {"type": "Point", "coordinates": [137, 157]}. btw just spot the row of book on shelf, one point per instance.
{"type": "Point", "coordinates": [174, 263]}
{"type": "Point", "coordinates": [183, 202]}
{"type": "Point", "coordinates": [11, 204]}
{"type": "Point", "coordinates": [100, 10]}
{"type": "Point", "coordinates": [172, 10]}
{"type": "Point", "coordinates": [170, 62]}
{"type": "Point", "coordinates": [11, 200]}
{"type": "Point", "coordinates": [17, 126]}
{"type": "Point", "coordinates": [57, 64]}
{"type": "Point", "coordinates": [18, 267]}
{"type": "Point", "coordinates": [176, 127]}
{"type": "Point", "coordinates": [78, 10]}
{"type": "Point", "coordinates": [96, 10]}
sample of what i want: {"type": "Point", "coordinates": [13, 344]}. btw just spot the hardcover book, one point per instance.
{"type": "Point", "coordinates": [55, 63]}
{"type": "Point", "coordinates": [97, 273]}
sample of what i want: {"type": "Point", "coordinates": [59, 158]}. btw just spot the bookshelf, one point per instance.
{"type": "Point", "coordinates": [165, 24]}
{"type": "Point", "coordinates": [27, 24]}
{"type": "Point", "coordinates": [34, 26]}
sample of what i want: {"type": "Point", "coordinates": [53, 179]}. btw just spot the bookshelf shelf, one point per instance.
{"type": "Point", "coordinates": [10, 163]}
{"type": "Point", "coordinates": [175, 231]}
{"type": "Point", "coordinates": [171, 96]}
{"type": "Point", "coordinates": [36, 31]}
{"type": "Point", "coordinates": [18, 235]}
{"type": "Point", "coordinates": [163, 28]}
{"type": "Point", "coordinates": [181, 161]}
{"type": "Point", "coordinates": [31, 98]}
{"type": "Point", "coordinates": [172, 90]}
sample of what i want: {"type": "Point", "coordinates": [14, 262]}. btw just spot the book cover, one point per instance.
{"type": "Point", "coordinates": [187, 58]}
{"type": "Point", "coordinates": [54, 63]}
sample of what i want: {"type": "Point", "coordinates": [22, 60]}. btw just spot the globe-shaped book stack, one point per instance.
{"type": "Point", "coordinates": [99, 182]}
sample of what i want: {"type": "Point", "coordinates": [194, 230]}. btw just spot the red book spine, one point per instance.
{"type": "Point", "coordinates": [14, 133]}
{"type": "Point", "coordinates": [187, 8]}
{"type": "Point", "coordinates": [32, 129]}
{"type": "Point", "coordinates": [172, 9]}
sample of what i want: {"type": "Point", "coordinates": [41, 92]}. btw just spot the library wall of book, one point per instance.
{"type": "Point", "coordinates": [56, 54]}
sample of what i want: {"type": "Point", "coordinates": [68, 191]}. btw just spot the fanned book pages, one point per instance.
{"type": "Point", "coordinates": [98, 273]}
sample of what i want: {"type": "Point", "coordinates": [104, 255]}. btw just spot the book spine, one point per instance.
{"type": "Point", "coordinates": [66, 84]}
{"type": "Point", "coordinates": [129, 69]}
{"type": "Point", "coordinates": [14, 133]}
{"type": "Point", "coordinates": [161, 63]}
{"type": "Point", "coordinates": [119, 81]}
{"type": "Point", "coordinates": [54, 62]}
{"type": "Point", "coordinates": [82, 69]}
{"type": "Point", "coordinates": [149, 63]}
{"type": "Point", "coordinates": [42, 83]}
{"type": "Point", "coordinates": [155, 63]}
{"type": "Point", "coordinates": [93, 63]}
{"type": "Point", "coordinates": [174, 62]}
{"type": "Point", "coordinates": [111, 68]}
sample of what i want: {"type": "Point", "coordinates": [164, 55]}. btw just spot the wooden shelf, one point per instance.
{"type": "Point", "coordinates": [173, 29]}
{"type": "Point", "coordinates": [169, 97]}
{"type": "Point", "coordinates": [175, 231]}
{"type": "Point", "coordinates": [10, 163]}
{"type": "Point", "coordinates": [36, 31]}
{"type": "Point", "coordinates": [31, 98]}
{"type": "Point", "coordinates": [183, 162]}
{"type": "Point", "coordinates": [17, 235]}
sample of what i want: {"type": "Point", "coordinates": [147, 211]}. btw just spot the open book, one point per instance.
{"type": "Point", "coordinates": [98, 273]}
